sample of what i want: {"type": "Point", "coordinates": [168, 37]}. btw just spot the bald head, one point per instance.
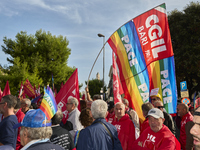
{"type": "Point", "coordinates": [120, 103]}
{"type": "Point", "coordinates": [119, 110]}
{"type": "Point", "coordinates": [182, 109]}
{"type": "Point", "coordinates": [184, 106]}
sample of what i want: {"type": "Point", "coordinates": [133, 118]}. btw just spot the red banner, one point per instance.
{"type": "Point", "coordinates": [6, 90]}
{"type": "Point", "coordinates": [117, 87]}
{"type": "Point", "coordinates": [28, 89]}
{"type": "Point", "coordinates": [71, 88]}
{"type": "Point", "coordinates": [0, 94]}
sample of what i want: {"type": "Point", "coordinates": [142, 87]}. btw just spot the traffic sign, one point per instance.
{"type": "Point", "coordinates": [183, 86]}
{"type": "Point", "coordinates": [185, 100]}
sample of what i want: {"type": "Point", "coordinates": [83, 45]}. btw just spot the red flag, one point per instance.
{"type": "Point", "coordinates": [6, 90]}
{"type": "Point", "coordinates": [71, 88]}
{"type": "Point", "coordinates": [28, 89]}
{"type": "Point", "coordinates": [83, 97]}
{"type": "Point", "coordinates": [0, 94]}
{"type": "Point", "coordinates": [117, 87]}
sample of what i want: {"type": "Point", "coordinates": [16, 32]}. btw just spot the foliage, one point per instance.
{"type": "Point", "coordinates": [36, 57]}
{"type": "Point", "coordinates": [95, 86]}
{"type": "Point", "coordinates": [185, 33]}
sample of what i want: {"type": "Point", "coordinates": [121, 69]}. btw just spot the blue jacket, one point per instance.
{"type": "Point", "coordinates": [95, 137]}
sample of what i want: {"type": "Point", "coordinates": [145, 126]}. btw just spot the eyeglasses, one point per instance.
{"type": "Point", "coordinates": [160, 107]}
{"type": "Point", "coordinates": [154, 99]}
{"type": "Point", "coordinates": [2, 103]}
{"type": "Point", "coordinates": [68, 103]}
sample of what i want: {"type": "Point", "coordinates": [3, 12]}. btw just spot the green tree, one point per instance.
{"type": "Point", "coordinates": [185, 34]}
{"type": "Point", "coordinates": [95, 86]}
{"type": "Point", "coordinates": [37, 57]}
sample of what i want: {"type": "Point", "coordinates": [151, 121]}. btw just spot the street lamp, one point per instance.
{"type": "Point", "coordinates": [101, 35]}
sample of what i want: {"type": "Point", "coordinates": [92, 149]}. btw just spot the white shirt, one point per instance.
{"type": "Point", "coordinates": [74, 119]}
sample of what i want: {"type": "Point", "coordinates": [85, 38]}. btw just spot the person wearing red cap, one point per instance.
{"type": "Point", "coordinates": [157, 136]}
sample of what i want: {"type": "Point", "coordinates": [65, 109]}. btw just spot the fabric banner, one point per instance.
{"type": "Point", "coordinates": [28, 89]}
{"type": "Point", "coordinates": [145, 59]}
{"type": "Point", "coordinates": [37, 99]}
{"type": "Point", "coordinates": [117, 87]}
{"type": "Point", "coordinates": [70, 88]}
{"type": "Point", "coordinates": [0, 94]}
{"type": "Point", "coordinates": [6, 90]}
{"type": "Point", "coordinates": [48, 104]}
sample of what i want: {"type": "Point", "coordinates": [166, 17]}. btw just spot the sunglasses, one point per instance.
{"type": "Point", "coordinates": [154, 99]}
{"type": "Point", "coordinates": [2, 103]}
{"type": "Point", "coordinates": [160, 107]}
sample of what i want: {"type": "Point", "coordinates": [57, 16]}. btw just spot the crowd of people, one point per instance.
{"type": "Point", "coordinates": [98, 125]}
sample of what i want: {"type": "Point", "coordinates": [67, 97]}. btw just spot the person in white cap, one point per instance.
{"type": "Point", "coordinates": [157, 136]}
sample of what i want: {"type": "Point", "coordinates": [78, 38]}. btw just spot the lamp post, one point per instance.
{"type": "Point", "coordinates": [101, 35]}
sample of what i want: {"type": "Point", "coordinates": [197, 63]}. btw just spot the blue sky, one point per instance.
{"type": "Point", "coordinates": [80, 21]}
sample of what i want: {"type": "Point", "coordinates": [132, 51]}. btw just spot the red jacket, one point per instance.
{"type": "Point", "coordinates": [20, 116]}
{"type": "Point", "coordinates": [186, 118]}
{"type": "Point", "coordinates": [110, 117]}
{"type": "Point", "coordinates": [161, 140]}
{"type": "Point", "coordinates": [144, 125]}
{"type": "Point", "coordinates": [126, 132]}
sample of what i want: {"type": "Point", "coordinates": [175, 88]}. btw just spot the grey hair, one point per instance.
{"type": "Point", "coordinates": [125, 101]}
{"type": "Point", "coordinates": [28, 102]}
{"type": "Point", "coordinates": [37, 133]}
{"type": "Point", "coordinates": [120, 103]}
{"type": "Point", "coordinates": [74, 101]}
{"type": "Point", "coordinates": [99, 109]}
{"type": "Point", "coordinates": [158, 102]}
{"type": "Point", "coordinates": [57, 118]}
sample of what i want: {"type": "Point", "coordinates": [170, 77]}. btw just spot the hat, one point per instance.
{"type": "Point", "coordinates": [110, 105]}
{"type": "Point", "coordinates": [34, 118]}
{"type": "Point", "coordinates": [156, 113]}
{"type": "Point", "coordinates": [158, 95]}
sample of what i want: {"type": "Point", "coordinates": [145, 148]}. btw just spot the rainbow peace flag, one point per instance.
{"type": "Point", "coordinates": [48, 104]}
{"type": "Point", "coordinates": [145, 59]}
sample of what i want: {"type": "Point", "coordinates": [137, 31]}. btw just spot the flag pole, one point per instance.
{"type": "Point", "coordinates": [95, 62]}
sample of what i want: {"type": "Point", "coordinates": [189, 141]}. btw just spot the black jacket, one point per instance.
{"type": "Point", "coordinates": [169, 122]}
